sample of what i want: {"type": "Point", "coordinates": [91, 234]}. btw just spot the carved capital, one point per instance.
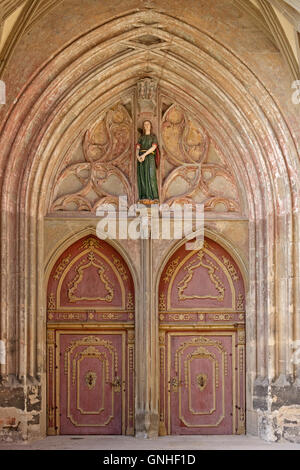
{"type": "Point", "coordinates": [147, 95]}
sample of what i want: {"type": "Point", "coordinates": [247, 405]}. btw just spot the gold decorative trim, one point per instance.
{"type": "Point", "coordinates": [240, 387]}
{"type": "Point", "coordinates": [240, 302]}
{"type": "Point", "coordinates": [51, 301]}
{"type": "Point", "coordinates": [180, 316]}
{"type": "Point", "coordinates": [50, 337]}
{"type": "Point", "coordinates": [222, 317]}
{"type": "Point", "coordinates": [120, 267]}
{"type": "Point", "coordinates": [162, 302]}
{"type": "Point", "coordinates": [218, 263]}
{"type": "Point", "coordinates": [130, 305]}
{"type": "Point", "coordinates": [162, 338]}
{"type": "Point", "coordinates": [61, 267]}
{"type": "Point", "coordinates": [231, 269]}
{"type": "Point", "coordinates": [108, 261]}
{"type": "Point", "coordinates": [130, 383]}
{"type": "Point", "coordinates": [171, 268]}
{"type": "Point", "coordinates": [241, 336]}
{"type": "Point", "coordinates": [183, 284]}
{"type": "Point", "coordinates": [79, 276]}
{"type": "Point", "coordinates": [131, 337]}
{"type": "Point", "coordinates": [90, 316]}
{"type": "Point", "coordinates": [110, 316]}
{"type": "Point", "coordinates": [91, 243]}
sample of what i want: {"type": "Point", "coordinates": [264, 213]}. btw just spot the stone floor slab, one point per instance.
{"type": "Point", "coordinates": [162, 443]}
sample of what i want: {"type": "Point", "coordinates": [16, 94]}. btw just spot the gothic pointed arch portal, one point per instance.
{"type": "Point", "coordinates": [212, 89]}
{"type": "Point", "coordinates": [90, 334]}
{"type": "Point", "coordinates": [202, 343]}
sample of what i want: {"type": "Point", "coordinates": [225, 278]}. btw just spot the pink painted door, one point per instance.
{"type": "Point", "coordinates": [90, 364]}
{"type": "Point", "coordinates": [92, 383]}
{"type": "Point", "coordinates": [200, 383]}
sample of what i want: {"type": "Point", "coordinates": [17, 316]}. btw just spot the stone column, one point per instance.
{"type": "Point", "coordinates": [147, 374]}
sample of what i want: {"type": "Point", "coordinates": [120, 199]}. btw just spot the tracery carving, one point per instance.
{"type": "Point", "coordinates": [192, 170]}
{"type": "Point", "coordinates": [106, 171]}
{"type": "Point", "coordinates": [188, 175]}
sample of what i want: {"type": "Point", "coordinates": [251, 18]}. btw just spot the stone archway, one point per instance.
{"type": "Point", "coordinates": [63, 99]}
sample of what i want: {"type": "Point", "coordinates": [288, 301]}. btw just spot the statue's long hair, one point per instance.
{"type": "Point", "coordinates": [141, 130]}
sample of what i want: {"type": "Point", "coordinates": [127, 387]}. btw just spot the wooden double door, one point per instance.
{"type": "Point", "coordinates": [202, 382]}
{"type": "Point", "coordinates": [90, 324]}
{"type": "Point", "coordinates": [90, 329]}
{"type": "Point", "coordinates": [202, 343]}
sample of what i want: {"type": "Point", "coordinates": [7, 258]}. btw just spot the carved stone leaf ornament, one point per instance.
{"type": "Point", "coordinates": [107, 170]}
{"type": "Point", "coordinates": [188, 174]}
{"type": "Point", "coordinates": [183, 139]}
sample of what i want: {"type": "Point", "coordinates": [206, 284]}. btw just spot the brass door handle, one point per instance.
{"type": "Point", "coordinates": [175, 383]}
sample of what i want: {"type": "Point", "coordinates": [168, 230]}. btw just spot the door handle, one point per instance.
{"type": "Point", "coordinates": [116, 384]}
{"type": "Point", "coordinates": [175, 383]}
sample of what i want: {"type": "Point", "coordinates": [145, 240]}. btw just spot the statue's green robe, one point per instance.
{"type": "Point", "coordinates": [146, 170]}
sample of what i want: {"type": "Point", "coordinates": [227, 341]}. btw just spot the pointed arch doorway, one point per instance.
{"type": "Point", "coordinates": [202, 343]}
{"type": "Point", "coordinates": [90, 341]}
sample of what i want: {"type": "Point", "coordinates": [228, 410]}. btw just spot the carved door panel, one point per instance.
{"type": "Point", "coordinates": [90, 321]}
{"type": "Point", "coordinates": [201, 383]}
{"type": "Point", "coordinates": [92, 383]}
{"type": "Point", "coordinates": [202, 343]}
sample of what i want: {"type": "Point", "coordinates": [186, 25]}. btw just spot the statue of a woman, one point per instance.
{"type": "Point", "coordinates": [147, 155]}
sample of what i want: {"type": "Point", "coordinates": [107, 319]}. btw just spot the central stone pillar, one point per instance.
{"type": "Point", "coordinates": [147, 378]}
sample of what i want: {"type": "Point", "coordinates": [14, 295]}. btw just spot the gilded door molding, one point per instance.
{"type": "Point", "coordinates": [90, 281]}
{"type": "Point", "coordinates": [201, 305]}
{"type": "Point", "coordinates": [90, 345]}
{"type": "Point", "coordinates": [221, 288]}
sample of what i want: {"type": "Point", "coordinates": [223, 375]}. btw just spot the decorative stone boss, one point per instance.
{"type": "Point", "coordinates": [147, 153]}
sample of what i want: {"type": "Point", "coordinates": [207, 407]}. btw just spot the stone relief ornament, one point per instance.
{"type": "Point", "coordinates": [192, 169]}
{"type": "Point", "coordinates": [106, 172]}
{"type": "Point", "coordinates": [147, 95]}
